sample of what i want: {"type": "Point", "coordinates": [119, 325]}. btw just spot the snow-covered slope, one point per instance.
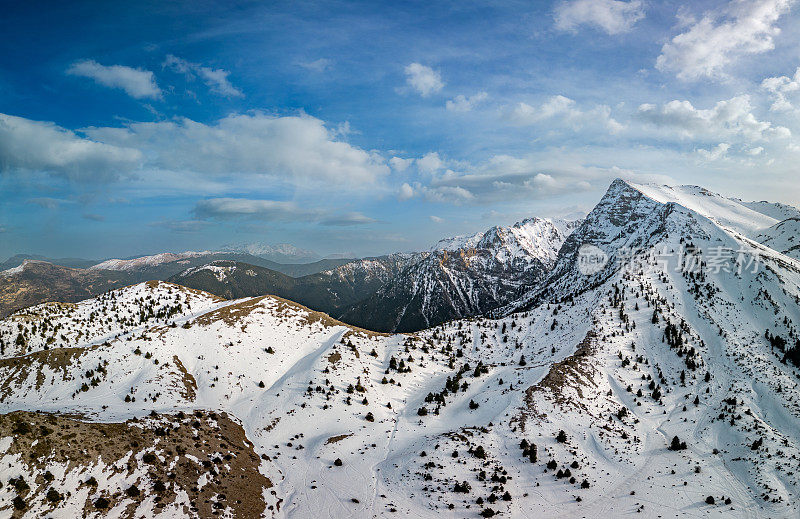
{"type": "Point", "coordinates": [772, 209]}
{"type": "Point", "coordinates": [783, 237]}
{"type": "Point", "coordinates": [723, 211]}
{"type": "Point", "coordinates": [566, 407]}
{"type": "Point", "coordinates": [529, 240]}
{"type": "Point", "coordinates": [368, 270]}
{"type": "Point", "coordinates": [532, 237]}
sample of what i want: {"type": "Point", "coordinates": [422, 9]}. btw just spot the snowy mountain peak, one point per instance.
{"type": "Point", "coordinates": [535, 237]}
{"type": "Point", "coordinates": [539, 238]}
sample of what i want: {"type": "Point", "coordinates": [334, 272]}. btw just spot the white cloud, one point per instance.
{"type": "Point", "coordinates": [272, 210]}
{"type": "Point", "coordinates": [215, 79]}
{"type": "Point", "coordinates": [781, 87]}
{"type": "Point", "coordinates": [292, 147]}
{"type": "Point", "coordinates": [424, 80]}
{"type": "Point", "coordinates": [406, 192]}
{"type": "Point", "coordinates": [446, 194]}
{"type": "Point", "coordinates": [228, 208]}
{"type": "Point", "coordinates": [564, 110]}
{"type": "Point", "coordinates": [436, 219]}
{"type": "Point", "coordinates": [717, 152]}
{"type": "Point", "coordinates": [136, 82]}
{"type": "Point", "coordinates": [430, 163]}
{"type": "Point", "coordinates": [347, 219]}
{"type": "Point", "coordinates": [504, 179]}
{"type": "Point", "coordinates": [612, 16]}
{"type": "Point", "coordinates": [733, 117]}
{"type": "Point", "coordinates": [462, 103]}
{"type": "Point", "coordinates": [720, 37]}
{"type": "Point", "coordinates": [27, 145]}
{"type": "Point", "coordinates": [398, 164]}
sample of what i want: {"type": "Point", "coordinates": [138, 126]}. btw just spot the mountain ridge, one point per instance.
{"type": "Point", "coordinates": [663, 383]}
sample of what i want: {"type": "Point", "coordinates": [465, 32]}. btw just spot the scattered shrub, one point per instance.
{"type": "Point", "coordinates": [19, 503]}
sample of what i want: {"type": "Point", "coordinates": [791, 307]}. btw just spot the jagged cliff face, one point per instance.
{"type": "Point", "coordinates": [624, 221]}
{"type": "Point", "coordinates": [464, 277]}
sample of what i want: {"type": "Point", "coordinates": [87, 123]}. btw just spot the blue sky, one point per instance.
{"type": "Point", "coordinates": [370, 127]}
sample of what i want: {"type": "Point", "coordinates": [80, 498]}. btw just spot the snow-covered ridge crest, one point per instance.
{"type": "Point", "coordinates": [773, 209]}
{"type": "Point", "coordinates": [149, 261]}
{"type": "Point", "coordinates": [462, 241]}
{"type": "Point", "coordinates": [727, 213]}
{"type": "Point", "coordinates": [531, 238]}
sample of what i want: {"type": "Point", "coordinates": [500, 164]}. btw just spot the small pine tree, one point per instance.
{"type": "Point", "coordinates": [677, 444]}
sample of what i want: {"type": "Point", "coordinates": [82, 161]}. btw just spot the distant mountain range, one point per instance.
{"type": "Point", "coordinates": [460, 277]}
{"type": "Point", "coordinates": [504, 267]}
{"type": "Point", "coordinates": [162, 266]}
{"type": "Point", "coordinates": [26, 280]}
{"type": "Point", "coordinates": [279, 253]}
{"type": "Point", "coordinates": [19, 259]}
{"type": "Point", "coordinates": [33, 282]}
{"type": "Point", "coordinates": [463, 277]}
{"type": "Point", "coordinates": [282, 257]}
{"type": "Point", "coordinates": [330, 291]}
